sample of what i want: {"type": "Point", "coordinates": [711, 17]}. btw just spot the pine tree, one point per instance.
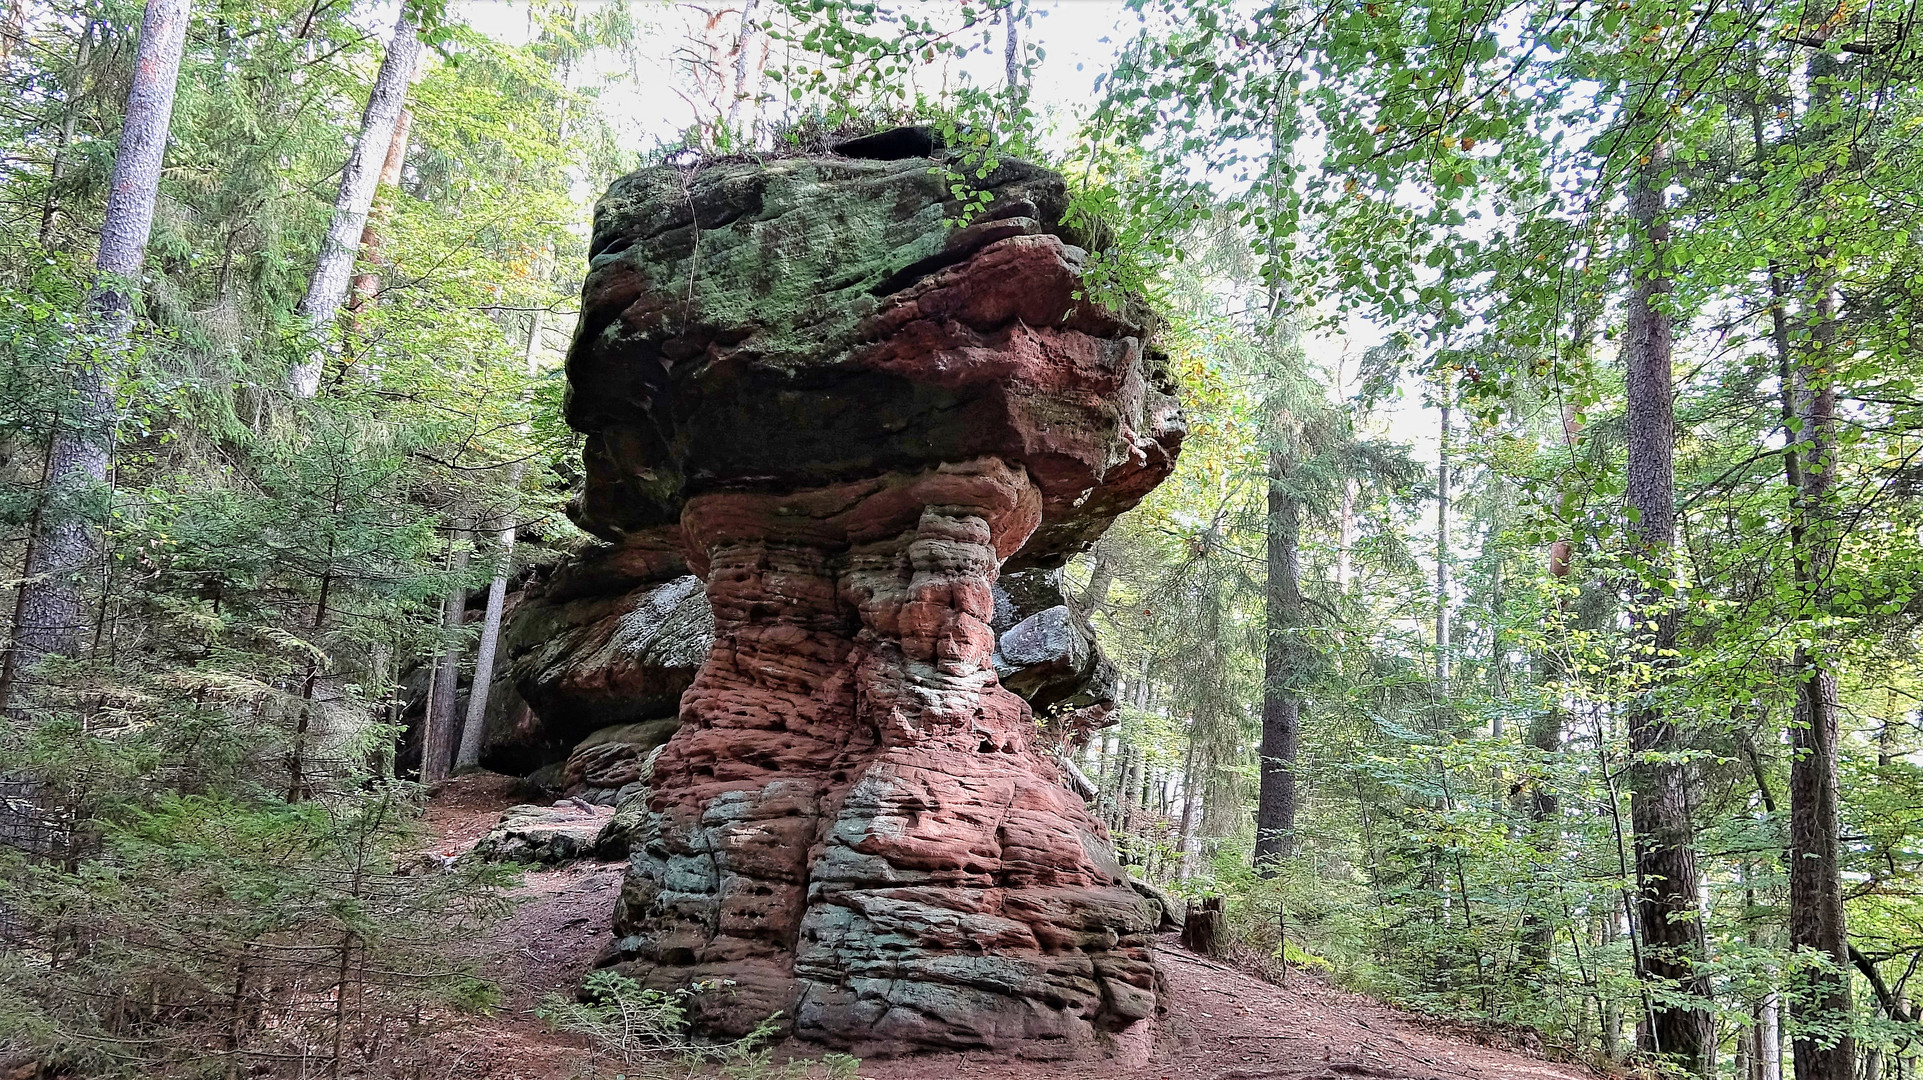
{"type": "Point", "coordinates": [334, 266]}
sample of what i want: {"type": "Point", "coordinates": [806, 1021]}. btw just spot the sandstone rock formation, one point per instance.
{"type": "Point", "coordinates": [593, 661]}
{"type": "Point", "coordinates": [853, 416]}
{"type": "Point", "coordinates": [561, 833]}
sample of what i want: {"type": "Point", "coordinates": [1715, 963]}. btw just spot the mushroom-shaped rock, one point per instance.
{"type": "Point", "coordinates": [857, 414]}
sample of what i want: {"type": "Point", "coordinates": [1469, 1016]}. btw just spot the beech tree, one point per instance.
{"type": "Point", "coordinates": [1825, 1049]}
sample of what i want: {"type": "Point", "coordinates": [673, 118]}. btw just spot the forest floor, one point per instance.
{"type": "Point", "coordinates": [1221, 1023]}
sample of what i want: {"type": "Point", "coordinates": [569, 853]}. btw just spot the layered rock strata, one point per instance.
{"type": "Point", "coordinates": [856, 416]}
{"type": "Point", "coordinates": [593, 661]}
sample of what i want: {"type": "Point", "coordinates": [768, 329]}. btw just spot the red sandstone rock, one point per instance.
{"type": "Point", "coordinates": [853, 825]}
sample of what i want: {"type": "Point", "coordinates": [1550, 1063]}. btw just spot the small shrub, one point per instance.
{"type": "Point", "coordinates": [842, 1066]}
{"type": "Point", "coordinates": [637, 1024]}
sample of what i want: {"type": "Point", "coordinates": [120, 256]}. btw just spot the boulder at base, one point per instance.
{"type": "Point", "coordinates": [550, 835]}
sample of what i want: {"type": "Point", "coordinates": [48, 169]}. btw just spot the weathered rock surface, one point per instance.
{"type": "Point", "coordinates": [551, 835]}
{"type": "Point", "coordinates": [1170, 911]}
{"type": "Point", "coordinates": [611, 637]}
{"type": "Point", "coordinates": [855, 417]}
{"type": "Point", "coordinates": [1045, 648]}
{"type": "Point", "coordinates": [630, 820]}
{"type": "Point", "coordinates": [614, 757]}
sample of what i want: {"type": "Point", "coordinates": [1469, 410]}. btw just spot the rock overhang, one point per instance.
{"type": "Point", "coordinates": [812, 320]}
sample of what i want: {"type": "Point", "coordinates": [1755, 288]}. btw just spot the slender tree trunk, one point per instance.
{"type": "Point", "coordinates": [1545, 728]}
{"type": "Point", "coordinates": [366, 286]}
{"type": "Point", "coordinates": [1667, 913]}
{"type": "Point", "coordinates": [1100, 580]}
{"type": "Point", "coordinates": [1345, 537]}
{"type": "Point", "coordinates": [438, 732]}
{"type": "Point", "coordinates": [1442, 541]}
{"type": "Point", "coordinates": [13, 27]}
{"type": "Point", "coordinates": [746, 72]}
{"type": "Point", "coordinates": [1498, 658]}
{"type": "Point", "coordinates": [1185, 840]}
{"type": "Point", "coordinates": [1544, 737]}
{"type": "Point", "coordinates": [1011, 49]}
{"type": "Point", "coordinates": [1612, 1013]}
{"type": "Point", "coordinates": [327, 288]}
{"type": "Point", "coordinates": [1281, 708]}
{"type": "Point", "coordinates": [64, 540]}
{"type": "Point", "coordinates": [70, 117]}
{"type": "Point", "coordinates": [1769, 1038]}
{"type": "Point", "coordinates": [469, 754]}
{"type": "Point", "coordinates": [1816, 917]}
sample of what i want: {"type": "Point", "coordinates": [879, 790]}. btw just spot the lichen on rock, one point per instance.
{"type": "Point", "coordinates": [852, 416]}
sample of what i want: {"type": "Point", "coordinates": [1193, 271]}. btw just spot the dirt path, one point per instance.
{"type": "Point", "coordinates": [1221, 1024]}
{"type": "Point", "coordinates": [560, 921]}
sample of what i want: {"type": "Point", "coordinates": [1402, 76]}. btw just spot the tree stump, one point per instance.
{"type": "Point", "coordinates": [1202, 928]}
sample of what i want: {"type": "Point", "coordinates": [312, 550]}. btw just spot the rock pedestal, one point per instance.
{"type": "Point", "coordinates": [857, 415]}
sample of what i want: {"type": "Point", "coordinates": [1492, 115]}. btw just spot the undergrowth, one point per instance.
{"type": "Point", "coordinates": [647, 1030]}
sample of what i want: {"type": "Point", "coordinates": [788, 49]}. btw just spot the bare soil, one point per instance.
{"type": "Point", "coordinates": [1221, 1023]}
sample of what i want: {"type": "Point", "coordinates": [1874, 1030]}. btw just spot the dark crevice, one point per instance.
{"type": "Point", "coordinates": [895, 144]}
{"type": "Point", "coordinates": [610, 246]}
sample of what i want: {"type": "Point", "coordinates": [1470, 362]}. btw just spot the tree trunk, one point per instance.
{"type": "Point", "coordinates": [1667, 913]}
{"type": "Point", "coordinates": [1769, 1039]}
{"type": "Point", "coordinates": [1100, 580]}
{"type": "Point", "coordinates": [366, 286]}
{"type": "Point", "coordinates": [64, 540]}
{"type": "Point", "coordinates": [13, 27]}
{"type": "Point", "coordinates": [438, 729]}
{"type": "Point", "coordinates": [1612, 1014]}
{"type": "Point", "coordinates": [1442, 542]}
{"type": "Point", "coordinates": [1545, 737]}
{"type": "Point", "coordinates": [1185, 828]}
{"type": "Point", "coordinates": [1345, 537]}
{"type": "Point", "coordinates": [1011, 50]}
{"type": "Point", "coordinates": [1281, 708]}
{"type": "Point", "coordinates": [327, 288]}
{"type": "Point", "coordinates": [50, 205]}
{"type": "Point", "coordinates": [1203, 925]}
{"type": "Point", "coordinates": [469, 754]}
{"type": "Point", "coordinates": [1816, 917]}
{"type": "Point", "coordinates": [746, 68]}
{"type": "Point", "coordinates": [1498, 657]}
